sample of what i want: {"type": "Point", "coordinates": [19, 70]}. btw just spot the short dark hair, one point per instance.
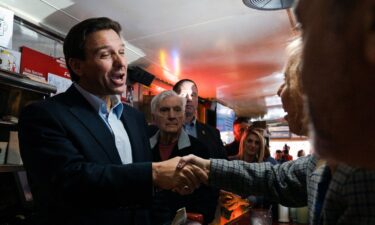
{"type": "Point", "coordinates": [177, 86]}
{"type": "Point", "coordinates": [75, 40]}
{"type": "Point", "coordinates": [239, 120]}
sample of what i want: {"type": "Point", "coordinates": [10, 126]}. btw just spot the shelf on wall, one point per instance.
{"type": "Point", "coordinates": [6, 168]}
{"type": "Point", "coordinates": [20, 81]}
{"type": "Point", "coordinates": [7, 124]}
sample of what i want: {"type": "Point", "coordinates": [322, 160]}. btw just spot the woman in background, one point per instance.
{"type": "Point", "coordinates": [252, 146]}
{"type": "Point", "coordinates": [252, 149]}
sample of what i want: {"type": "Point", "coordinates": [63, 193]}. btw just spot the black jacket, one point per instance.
{"type": "Point", "coordinates": [75, 171]}
{"type": "Point", "coordinates": [203, 200]}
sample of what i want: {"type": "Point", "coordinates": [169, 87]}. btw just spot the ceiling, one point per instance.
{"type": "Point", "coordinates": [234, 53]}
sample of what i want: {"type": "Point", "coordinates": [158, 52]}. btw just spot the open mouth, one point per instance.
{"type": "Point", "coordinates": [118, 78]}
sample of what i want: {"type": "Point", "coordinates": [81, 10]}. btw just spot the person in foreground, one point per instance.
{"type": "Point", "coordinates": [338, 77]}
{"type": "Point", "coordinates": [168, 113]}
{"type": "Point", "coordinates": [335, 194]}
{"type": "Point", "coordinates": [87, 155]}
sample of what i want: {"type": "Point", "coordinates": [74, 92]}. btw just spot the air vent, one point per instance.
{"type": "Point", "coordinates": [268, 4]}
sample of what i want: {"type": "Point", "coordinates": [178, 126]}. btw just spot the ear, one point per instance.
{"type": "Point", "coordinates": [75, 65]}
{"type": "Point", "coordinates": [369, 19]}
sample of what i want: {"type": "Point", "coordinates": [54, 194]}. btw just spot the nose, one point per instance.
{"type": "Point", "coordinates": [187, 96]}
{"type": "Point", "coordinates": [120, 60]}
{"type": "Point", "coordinates": [171, 114]}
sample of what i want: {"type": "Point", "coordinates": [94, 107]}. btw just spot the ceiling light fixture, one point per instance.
{"type": "Point", "coordinates": [268, 4]}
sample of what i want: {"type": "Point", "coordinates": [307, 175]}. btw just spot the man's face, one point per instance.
{"type": "Point", "coordinates": [103, 71]}
{"type": "Point", "coordinates": [169, 116]}
{"type": "Point", "coordinates": [190, 92]}
{"type": "Point", "coordinates": [338, 78]}
{"type": "Point", "coordinates": [238, 130]}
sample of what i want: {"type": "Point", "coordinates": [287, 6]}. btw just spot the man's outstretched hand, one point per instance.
{"type": "Point", "coordinates": [181, 174]}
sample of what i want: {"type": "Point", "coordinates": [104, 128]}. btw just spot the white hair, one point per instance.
{"type": "Point", "coordinates": [163, 95]}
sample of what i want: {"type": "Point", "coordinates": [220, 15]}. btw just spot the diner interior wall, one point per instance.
{"type": "Point", "coordinates": [24, 35]}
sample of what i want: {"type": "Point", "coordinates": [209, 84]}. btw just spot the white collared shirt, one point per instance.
{"type": "Point", "coordinates": [113, 121]}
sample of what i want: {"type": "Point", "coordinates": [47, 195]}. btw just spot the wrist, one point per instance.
{"type": "Point", "coordinates": [207, 166]}
{"type": "Point", "coordinates": [155, 174]}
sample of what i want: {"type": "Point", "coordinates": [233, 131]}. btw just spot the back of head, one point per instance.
{"type": "Point", "coordinates": [240, 120]}
{"type": "Point", "coordinates": [297, 118]}
{"type": "Point", "coordinates": [338, 77]}
{"type": "Point", "coordinates": [74, 43]}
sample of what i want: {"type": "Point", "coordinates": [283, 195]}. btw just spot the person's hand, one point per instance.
{"type": "Point", "coordinates": [191, 170]}
{"type": "Point", "coordinates": [202, 168]}
{"type": "Point", "coordinates": [167, 175]}
{"type": "Point", "coordinates": [232, 201]}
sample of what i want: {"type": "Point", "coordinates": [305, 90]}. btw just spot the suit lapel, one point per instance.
{"type": "Point", "coordinates": [83, 111]}
{"type": "Point", "coordinates": [201, 131]}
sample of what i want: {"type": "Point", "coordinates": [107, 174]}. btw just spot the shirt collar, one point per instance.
{"type": "Point", "coordinates": [99, 104]}
{"type": "Point", "coordinates": [192, 123]}
{"type": "Point", "coordinates": [183, 140]}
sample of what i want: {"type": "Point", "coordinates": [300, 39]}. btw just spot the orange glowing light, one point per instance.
{"type": "Point", "coordinates": [169, 74]}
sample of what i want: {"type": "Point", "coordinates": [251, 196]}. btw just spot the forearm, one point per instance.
{"type": "Point", "coordinates": [284, 183]}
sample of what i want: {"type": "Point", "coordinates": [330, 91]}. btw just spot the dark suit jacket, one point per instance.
{"type": "Point", "coordinates": [74, 169]}
{"type": "Point", "coordinates": [232, 148]}
{"type": "Point", "coordinates": [210, 137]}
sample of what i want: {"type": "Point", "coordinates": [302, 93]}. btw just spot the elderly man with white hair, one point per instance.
{"type": "Point", "coordinates": [168, 114]}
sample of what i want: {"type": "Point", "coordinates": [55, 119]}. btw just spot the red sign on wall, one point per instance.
{"type": "Point", "coordinates": [38, 65]}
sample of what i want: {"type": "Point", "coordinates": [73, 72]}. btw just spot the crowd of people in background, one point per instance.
{"type": "Point", "coordinates": [241, 129]}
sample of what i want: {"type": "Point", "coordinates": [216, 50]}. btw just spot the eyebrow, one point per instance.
{"type": "Point", "coordinates": [105, 47]}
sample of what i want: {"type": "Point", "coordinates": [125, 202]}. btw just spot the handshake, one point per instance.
{"type": "Point", "coordinates": [181, 174]}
